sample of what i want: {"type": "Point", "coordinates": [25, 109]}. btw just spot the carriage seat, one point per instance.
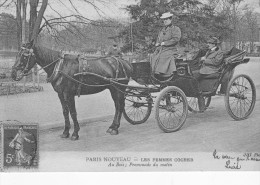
{"type": "Point", "coordinates": [227, 54]}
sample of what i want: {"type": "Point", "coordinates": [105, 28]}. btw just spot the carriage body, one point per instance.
{"type": "Point", "coordinates": [184, 89]}
{"type": "Point", "coordinates": [142, 74]}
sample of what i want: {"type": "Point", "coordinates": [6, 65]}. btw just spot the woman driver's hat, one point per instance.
{"type": "Point", "coordinates": [213, 40]}
{"type": "Point", "coordinates": [166, 15]}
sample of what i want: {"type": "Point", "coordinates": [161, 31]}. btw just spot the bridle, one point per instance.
{"type": "Point", "coordinates": [29, 53]}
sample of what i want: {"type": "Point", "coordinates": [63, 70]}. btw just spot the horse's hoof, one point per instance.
{"type": "Point", "coordinates": [109, 130]}
{"type": "Point", "coordinates": [114, 132]}
{"type": "Point", "coordinates": [65, 135]}
{"type": "Point", "coordinates": [74, 138]}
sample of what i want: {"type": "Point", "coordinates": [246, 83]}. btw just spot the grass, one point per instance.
{"type": "Point", "coordinates": [8, 89]}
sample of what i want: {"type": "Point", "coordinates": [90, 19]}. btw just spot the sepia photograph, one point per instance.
{"type": "Point", "coordinates": [129, 85]}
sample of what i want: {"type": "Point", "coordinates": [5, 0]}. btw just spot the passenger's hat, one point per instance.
{"type": "Point", "coordinates": [166, 15]}
{"type": "Point", "coordinates": [213, 40]}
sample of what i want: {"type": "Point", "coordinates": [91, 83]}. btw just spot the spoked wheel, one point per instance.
{"type": "Point", "coordinates": [240, 97]}
{"type": "Point", "coordinates": [193, 105]}
{"type": "Point", "coordinates": [137, 109]}
{"type": "Point", "coordinates": [171, 109]}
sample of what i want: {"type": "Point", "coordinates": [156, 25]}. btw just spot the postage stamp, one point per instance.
{"type": "Point", "coordinates": [19, 145]}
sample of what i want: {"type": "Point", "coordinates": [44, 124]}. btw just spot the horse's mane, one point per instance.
{"type": "Point", "coordinates": [47, 54]}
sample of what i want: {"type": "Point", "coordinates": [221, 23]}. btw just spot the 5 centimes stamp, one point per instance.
{"type": "Point", "coordinates": [19, 145]}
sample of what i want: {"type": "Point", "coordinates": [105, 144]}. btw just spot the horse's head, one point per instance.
{"type": "Point", "coordinates": [25, 60]}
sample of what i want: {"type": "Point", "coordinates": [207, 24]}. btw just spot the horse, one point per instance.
{"type": "Point", "coordinates": [63, 72]}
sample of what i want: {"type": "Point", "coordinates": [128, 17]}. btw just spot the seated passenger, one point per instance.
{"type": "Point", "coordinates": [211, 64]}
{"type": "Point", "coordinates": [163, 62]}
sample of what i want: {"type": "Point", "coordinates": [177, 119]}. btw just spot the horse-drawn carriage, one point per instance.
{"type": "Point", "coordinates": [71, 76]}
{"type": "Point", "coordinates": [179, 93]}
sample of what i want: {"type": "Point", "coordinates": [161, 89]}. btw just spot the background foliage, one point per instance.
{"type": "Point", "coordinates": [198, 20]}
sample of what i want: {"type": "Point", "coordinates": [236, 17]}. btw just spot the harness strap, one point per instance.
{"type": "Point", "coordinates": [81, 69]}
{"type": "Point", "coordinates": [119, 63]}
{"type": "Point", "coordinates": [77, 81]}
{"type": "Point", "coordinates": [57, 67]}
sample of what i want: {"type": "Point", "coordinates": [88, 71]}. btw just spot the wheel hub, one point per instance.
{"type": "Point", "coordinates": [171, 108]}
{"type": "Point", "coordinates": [239, 96]}
{"type": "Point", "coordinates": [137, 104]}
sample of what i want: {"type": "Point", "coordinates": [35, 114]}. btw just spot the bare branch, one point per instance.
{"type": "Point", "coordinates": [39, 19]}
{"type": "Point", "coordinates": [3, 3]}
{"type": "Point", "coordinates": [95, 7]}
{"type": "Point", "coordinates": [74, 7]}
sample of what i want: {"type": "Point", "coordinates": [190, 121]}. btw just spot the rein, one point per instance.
{"type": "Point", "coordinates": [26, 74]}
{"type": "Point", "coordinates": [73, 79]}
{"type": "Point", "coordinates": [30, 54]}
{"type": "Point", "coordinates": [157, 60]}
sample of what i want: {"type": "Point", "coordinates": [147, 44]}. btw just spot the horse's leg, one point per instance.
{"type": "Point", "coordinates": [73, 114]}
{"type": "Point", "coordinates": [65, 110]}
{"type": "Point", "coordinates": [119, 100]}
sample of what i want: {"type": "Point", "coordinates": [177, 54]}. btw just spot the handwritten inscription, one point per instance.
{"type": "Point", "coordinates": [233, 165]}
{"type": "Point", "coordinates": [234, 162]}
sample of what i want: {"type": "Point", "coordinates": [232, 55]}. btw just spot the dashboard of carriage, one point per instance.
{"type": "Point", "coordinates": [182, 66]}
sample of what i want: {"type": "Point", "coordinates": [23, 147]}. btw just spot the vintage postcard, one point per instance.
{"type": "Point", "coordinates": [129, 86]}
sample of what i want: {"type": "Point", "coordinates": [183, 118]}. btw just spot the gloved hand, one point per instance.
{"type": "Point", "coordinates": [162, 44]}
{"type": "Point", "coordinates": [157, 44]}
{"type": "Point", "coordinates": [202, 58]}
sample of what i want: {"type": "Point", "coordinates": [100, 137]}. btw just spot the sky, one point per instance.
{"type": "Point", "coordinates": [253, 4]}
{"type": "Point", "coordinates": [112, 9]}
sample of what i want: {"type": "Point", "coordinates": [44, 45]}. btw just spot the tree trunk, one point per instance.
{"type": "Point", "coordinates": [24, 6]}
{"type": "Point", "coordinates": [39, 20]}
{"type": "Point", "coordinates": [19, 23]}
{"type": "Point", "coordinates": [33, 17]}
{"type": "Point", "coordinates": [34, 26]}
{"type": "Point", "coordinates": [235, 25]}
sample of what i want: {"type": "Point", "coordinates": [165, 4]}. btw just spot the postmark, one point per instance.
{"type": "Point", "coordinates": [19, 146]}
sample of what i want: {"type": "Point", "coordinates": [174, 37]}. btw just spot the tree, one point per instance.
{"type": "Point", "coordinates": [252, 27]}
{"type": "Point", "coordinates": [197, 21]}
{"type": "Point", "coordinates": [37, 18]}
{"type": "Point", "coordinates": [38, 22]}
{"type": "Point", "coordinates": [7, 31]}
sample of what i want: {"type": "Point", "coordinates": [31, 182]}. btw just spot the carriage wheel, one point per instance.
{"type": "Point", "coordinates": [137, 109]}
{"type": "Point", "coordinates": [240, 97]}
{"type": "Point", "coordinates": [193, 105]}
{"type": "Point", "coordinates": [171, 109]}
